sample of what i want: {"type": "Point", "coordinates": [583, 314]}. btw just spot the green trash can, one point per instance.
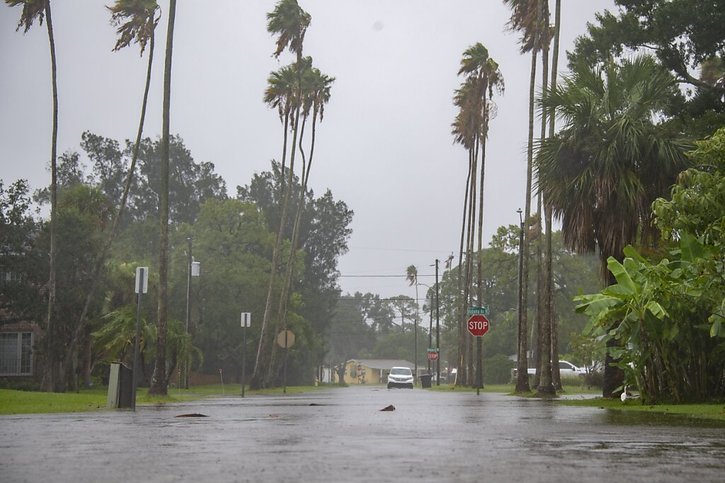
{"type": "Point", "coordinates": [425, 380]}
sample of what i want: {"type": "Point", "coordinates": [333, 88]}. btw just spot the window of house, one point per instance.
{"type": "Point", "coordinates": [16, 354]}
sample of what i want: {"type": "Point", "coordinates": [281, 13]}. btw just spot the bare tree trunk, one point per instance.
{"type": "Point", "coordinates": [51, 378]}
{"type": "Point", "coordinates": [555, 374]}
{"type": "Point", "coordinates": [545, 387]}
{"type": "Point", "coordinates": [461, 305]}
{"type": "Point", "coordinates": [159, 379]}
{"type": "Point", "coordinates": [522, 379]}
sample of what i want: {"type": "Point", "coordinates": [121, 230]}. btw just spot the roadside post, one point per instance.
{"type": "Point", "coordinates": [246, 323]}
{"type": "Point", "coordinates": [285, 339]}
{"type": "Point", "coordinates": [142, 287]}
{"type": "Point", "coordinates": [478, 325]}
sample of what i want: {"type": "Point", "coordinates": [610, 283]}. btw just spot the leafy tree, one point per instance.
{"type": "Point", "coordinates": [323, 232]}
{"type": "Point", "coordinates": [39, 10]}
{"type": "Point", "coordinates": [23, 265]}
{"type": "Point", "coordinates": [687, 39]}
{"type": "Point", "coordinates": [190, 183]}
{"type": "Point", "coordinates": [682, 34]}
{"type": "Point", "coordinates": [233, 244]}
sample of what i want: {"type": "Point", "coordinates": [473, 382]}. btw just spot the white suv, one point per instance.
{"type": "Point", "coordinates": [400, 377]}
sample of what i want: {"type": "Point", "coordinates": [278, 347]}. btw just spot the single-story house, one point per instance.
{"type": "Point", "coordinates": [371, 371]}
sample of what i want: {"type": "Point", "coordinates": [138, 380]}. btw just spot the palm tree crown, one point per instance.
{"type": "Point", "coordinates": [136, 21]}
{"type": "Point", "coordinates": [290, 22]}
{"type": "Point", "coordinates": [609, 162]}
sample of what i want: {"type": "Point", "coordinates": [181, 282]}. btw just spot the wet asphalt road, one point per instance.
{"type": "Point", "coordinates": [340, 435]}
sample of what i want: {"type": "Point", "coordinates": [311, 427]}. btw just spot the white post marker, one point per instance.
{"type": "Point", "coordinates": [142, 279]}
{"type": "Point", "coordinates": [246, 323]}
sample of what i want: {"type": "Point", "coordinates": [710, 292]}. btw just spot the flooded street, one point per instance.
{"type": "Point", "coordinates": [341, 435]}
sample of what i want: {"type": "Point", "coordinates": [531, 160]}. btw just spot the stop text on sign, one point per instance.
{"type": "Point", "coordinates": [478, 325]}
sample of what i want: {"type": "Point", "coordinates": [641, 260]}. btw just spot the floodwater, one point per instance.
{"type": "Point", "coordinates": [340, 435]}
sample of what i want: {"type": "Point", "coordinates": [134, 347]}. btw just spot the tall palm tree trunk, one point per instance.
{"type": "Point", "coordinates": [52, 381]}
{"type": "Point", "coordinates": [269, 346]}
{"type": "Point", "coordinates": [472, 200]}
{"type": "Point", "coordinates": [159, 379]}
{"type": "Point", "coordinates": [522, 378]}
{"type": "Point", "coordinates": [479, 251]}
{"type": "Point", "coordinates": [545, 386]}
{"type": "Point", "coordinates": [549, 287]}
{"type": "Point", "coordinates": [461, 305]}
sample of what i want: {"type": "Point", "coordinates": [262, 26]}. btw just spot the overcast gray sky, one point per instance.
{"type": "Point", "coordinates": [384, 147]}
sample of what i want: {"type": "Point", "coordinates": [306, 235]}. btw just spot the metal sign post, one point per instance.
{"type": "Point", "coordinates": [142, 287]}
{"type": "Point", "coordinates": [246, 323]}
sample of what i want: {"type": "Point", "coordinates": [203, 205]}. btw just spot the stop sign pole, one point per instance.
{"type": "Point", "coordinates": [478, 326]}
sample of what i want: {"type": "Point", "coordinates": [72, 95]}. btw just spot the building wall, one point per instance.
{"type": "Point", "coordinates": [356, 373]}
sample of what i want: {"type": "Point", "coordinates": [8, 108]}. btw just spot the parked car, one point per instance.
{"type": "Point", "coordinates": [400, 377]}
{"type": "Point", "coordinates": [566, 368]}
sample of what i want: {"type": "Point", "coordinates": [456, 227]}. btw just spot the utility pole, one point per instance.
{"type": "Point", "coordinates": [438, 331]}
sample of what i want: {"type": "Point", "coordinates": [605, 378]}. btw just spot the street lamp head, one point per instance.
{"type": "Point", "coordinates": [521, 220]}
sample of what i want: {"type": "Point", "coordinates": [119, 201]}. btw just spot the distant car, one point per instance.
{"type": "Point", "coordinates": [400, 377]}
{"type": "Point", "coordinates": [566, 368]}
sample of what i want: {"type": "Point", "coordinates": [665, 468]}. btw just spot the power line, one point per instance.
{"type": "Point", "coordinates": [382, 276]}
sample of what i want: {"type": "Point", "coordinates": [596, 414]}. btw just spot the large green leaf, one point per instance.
{"type": "Point", "coordinates": [623, 277]}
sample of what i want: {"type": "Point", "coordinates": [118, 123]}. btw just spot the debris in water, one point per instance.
{"type": "Point", "coordinates": [388, 408]}
{"type": "Point", "coordinates": [192, 415]}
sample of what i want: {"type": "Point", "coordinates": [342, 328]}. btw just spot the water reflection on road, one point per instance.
{"type": "Point", "coordinates": [341, 435]}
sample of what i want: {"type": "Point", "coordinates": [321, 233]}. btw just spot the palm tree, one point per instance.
{"type": "Point", "coordinates": [315, 95]}
{"type": "Point", "coordinates": [136, 21]}
{"type": "Point", "coordinates": [289, 22]}
{"type": "Point", "coordinates": [610, 160]}
{"type": "Point", "coordinates": [159, 379]}
{"type": "Point", "coordinates": [471, 129]}
{"type": "Point", "coordinates": [32, 10]}
{"type": "Point", "coordinates": [526, 18]}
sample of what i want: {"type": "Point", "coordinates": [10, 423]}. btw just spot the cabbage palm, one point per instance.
{"type": "Point", "coordinates": [40, 10]}
{"type": "Point", "coordinates": [610, 161]}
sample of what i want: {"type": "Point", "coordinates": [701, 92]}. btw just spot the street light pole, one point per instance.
{"type": "Point", "coordinates": [188, 309]}
{"type": "Point", "coordinates": [522, 370]}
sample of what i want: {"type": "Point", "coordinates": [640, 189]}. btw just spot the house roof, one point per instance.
{"type": "Point", "coordinates": [385, 364]}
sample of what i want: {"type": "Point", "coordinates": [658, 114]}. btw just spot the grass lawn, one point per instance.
{"type": "Point", "coordinates": [714, 411]}
{"type": "Point", "coordinates": [31, 402]}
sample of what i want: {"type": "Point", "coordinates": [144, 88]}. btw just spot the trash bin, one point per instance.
{"type": "Point", "coordinates": [120, 386]}
{"type": "Point", "coordinates": [425, 380]}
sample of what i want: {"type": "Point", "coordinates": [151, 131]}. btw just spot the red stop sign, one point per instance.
{"type": "Point", "coordinates": [478, 325]}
